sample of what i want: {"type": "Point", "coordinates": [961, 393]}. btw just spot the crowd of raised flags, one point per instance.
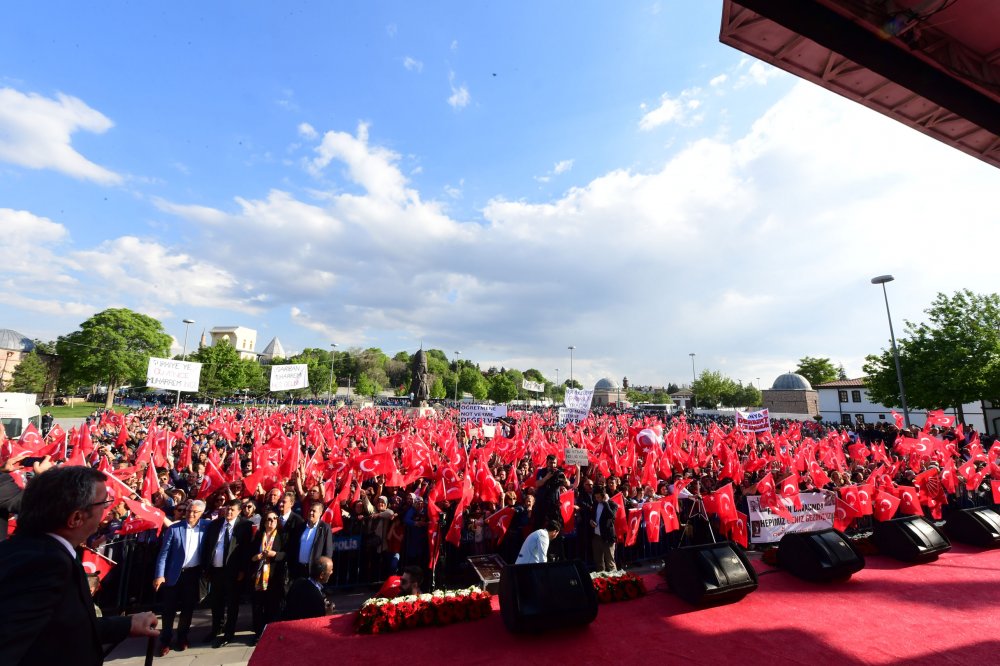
{"type": "Point", "coordinates": [651, 469]}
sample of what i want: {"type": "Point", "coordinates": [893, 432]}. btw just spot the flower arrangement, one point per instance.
{"type": "Point", "coordinates": [380, 615]}
{"type": "Point", "coordinates": [617, 586]}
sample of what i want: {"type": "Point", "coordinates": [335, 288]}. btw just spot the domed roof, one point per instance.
{"type": "Point", "coordinates": [605, 384]}
{"type": "Point", "coordinates": [791, 382]}
{"type": "Point", "coordinates": [13, 340]}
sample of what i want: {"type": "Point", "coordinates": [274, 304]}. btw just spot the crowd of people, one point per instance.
{"type": "Point", "coordinates": [269, 504]}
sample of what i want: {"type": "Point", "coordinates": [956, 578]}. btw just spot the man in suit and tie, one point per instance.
{"type": "Point", "coordinates": [305, 597]}
{"type": "Point", "coordinates": [48, 612]}
{"type": "Point", "coordinates": [290, 521]}
{"type": "Point", "coordinates": [226, 556]}
{"type": "Point", "coordinates": [178, 570]}
{"type": "Point", "coordinates": [312, 540]}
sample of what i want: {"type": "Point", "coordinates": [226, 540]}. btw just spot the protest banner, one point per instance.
{"type": "Point", "coordinates": [533, 387]}
{"type": "Point", "coordinates": [288, 377]}
{"type": "Point", "coordinates": [166, 373]}
{"type": "Point", "coordinates": [767, 527]}
{"type": "Point", "coordinates": [578, 398]}
{"type": "Point", "coordinates": [471, 413]}
{"type": "Point", "coordinates": [572, 415]}
{"type": "Point", "coordinates": [577, 457]}
{"type": "Point", "coordinates": [759, 421]}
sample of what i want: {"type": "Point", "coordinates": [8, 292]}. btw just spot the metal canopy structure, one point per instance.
{"type": "Point", "coordinates": [933, 65]}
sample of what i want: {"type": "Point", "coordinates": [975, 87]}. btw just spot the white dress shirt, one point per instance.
{"type": "Point", "coordinates": [192, 546]}
{"type": "Point", "coordinates": [219, 557]}
{"type": "Point", "coordinates": [535, 549]}
{"type": "Point", "coordinates": [306, 544]}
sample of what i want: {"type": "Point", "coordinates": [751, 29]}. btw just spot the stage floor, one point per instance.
{"type": "Point", "coordinates": [944, 612]}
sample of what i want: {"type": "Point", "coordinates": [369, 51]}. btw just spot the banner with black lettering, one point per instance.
{"type": "Point", "coordinates": [471, 413]}
{"type": "Point", "coordinates": [759, 421]}
{"type": "Point", "coordinates": [288, 377]}
{"type": "Point", "coordinates": [816, 513]}
{"type": "Point", "coordinates": [166, 373]}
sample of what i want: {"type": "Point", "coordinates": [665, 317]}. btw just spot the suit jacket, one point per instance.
{"type": "Point", "coordinates": [607, 522]}
{"type": "Point", "coordinates": [48, 612]}
{"type": "Point", "coordinates": [171, 557]}
{"type": "Point", "coordinates": [294, 522]}
{"type": "Point", "coordinates": [322, 545]}
{"type": "Point", "coordinates": [276, 578]}
{"type": "Point", "coordinates": [236, 558]}
{"type": "Point", "coordinates": [303, 600]}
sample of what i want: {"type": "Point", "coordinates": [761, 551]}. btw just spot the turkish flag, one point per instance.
{"type": "Point", "coordinates": [849, 494]}
{"type": "Point", "coordinates": [671, 514]}
{"type": "Point", "coordinates": [145, 513]}
{"type": "Point", "coordinates": [937, 417]}
{"type": "Point", "coordinates": [968, 472]}
{"type": "Point", "coordinates": [333, 517]}
{"type": "Point", "coordinates": [213, 481]}
{"type": "Point", "coordinates": [738, 529]}
{"type": "Point", "coordinates": [790, 485]}
{"type": "Point", "coordinates": [621, 520]}
{"type": "Point", "coordinates": [652, 513]}
{"type": "Point", "coordinates": [766, 484]}
{"type": "Point", "coordinates": [995, 485]}
{"type": "Point", "coordinates": [909, 501]}
{"type": "Point", "coordinates": [722, 503]}
{"type": "Point", "coordinates": [843, 515]}
{"type": "Point", "coordinates": [898, 419]}
{"type": "Point", "coordinates": [150, 482]}
{"type": "Point", "coordinates": [95, 563]}
{"type": "Point", "coordinates": [500, 521]}
{"type": "Point", "coordinates": [31, 439]}
{"type": "Point", "coordinates": [634, 520]}
{"type": "Point", "coordinates": [885, 506]}
{"type": "Point", "coordinates": [566, 502]}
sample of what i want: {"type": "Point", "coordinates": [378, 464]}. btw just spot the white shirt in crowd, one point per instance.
{"type": "Point", "coordinates": [535, 549]}
{"type": "Point", "coordinates": [219, 557]}
{"type": "Point", "coordinates": [192, 546]}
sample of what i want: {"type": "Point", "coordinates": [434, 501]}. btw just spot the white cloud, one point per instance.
{"type": "Point", "coordinates": [679, 110]}
{"type": "Point", "coordinates": [412, 64]}
{"type": "Point", "coordinates": [36, 132]}
{"type": "Point", "coordinates": [562, 166]}
{"type": "Point", "coordinates": [391, 30]}
{"type": "Point", "coordinates": [307, 131]}
{"type": "Point", "coordinates": [754, 72]}
{"type": "Point", "coordinates": [718, 80]}
{"type": "Point", "coordinates": [460, 96]}
{"type": "Point", "coordinates": [454, 45]}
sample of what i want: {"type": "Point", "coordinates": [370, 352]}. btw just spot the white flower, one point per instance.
{"type": "Point", "coordinates": [426, 597]}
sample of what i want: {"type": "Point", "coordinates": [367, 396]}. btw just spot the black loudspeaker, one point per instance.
{"type": "Point", "coordinates": [553, 595]}
{"type": "Point", "coordinates": [820, 556]}
{"type": "Point", "coordinates": [910, 539]}
{"type": "Point", "coordinates": [979, 526]}
{"type": "Point", "coordinates": [710, 573]}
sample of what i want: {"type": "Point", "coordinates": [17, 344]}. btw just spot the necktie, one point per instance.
{"type": "Point", "coordinates": [225, 542]}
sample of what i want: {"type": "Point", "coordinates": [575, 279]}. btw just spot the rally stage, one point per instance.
{"type": "Point", "coordinates": [944, 612]}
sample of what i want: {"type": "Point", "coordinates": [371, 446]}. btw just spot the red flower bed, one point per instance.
{"type": "Point", "coordinates": [617, 586]}
{"type": "Point", "coordinates": [427, 610]}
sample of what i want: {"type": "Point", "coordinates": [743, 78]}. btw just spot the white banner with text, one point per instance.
{"type": "Point", "coordinates": [288, 377]}
{"type": "Point", "coordinates": [815, 513]}
{"type": "Point", "coordinates": [471, 413]}
{"type": "Point", "coordinates": [174, 375]}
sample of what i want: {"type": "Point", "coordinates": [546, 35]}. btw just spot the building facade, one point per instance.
{"type": "Point", "coordinates": [242, 339]}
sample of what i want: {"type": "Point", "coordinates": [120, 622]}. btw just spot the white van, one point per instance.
{"type": "Point", "coordinates": [16, 411]}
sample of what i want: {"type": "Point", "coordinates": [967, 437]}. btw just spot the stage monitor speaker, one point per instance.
{"type": "Point", "coordinates": [910, 539]}
{"type": "Point", "coordinates": [711, 573]}
{"type": "Point", "coordinates": [820, 556]}
{"type": "Point", "coordinates": [540, 597]}
{"type": "Point", "coordinates": [979, 526]}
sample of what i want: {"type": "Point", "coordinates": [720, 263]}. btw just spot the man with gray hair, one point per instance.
{"type": "Point", "coordinates": [178, 571]}
{"type": "Point", "coordinates": [48, 612]}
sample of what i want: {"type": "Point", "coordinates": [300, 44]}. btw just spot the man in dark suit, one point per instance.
{"type": "Point", "coordinates": [226, 556]}
{"type": "Point", "coordinates": [290, 522]}
{"type": "Point", "coordinates": [48, 613]}
{"type": "Point", "coordinates": [312, 540]}
{"type": "Point", "coordinates": [178, 570]}
{"type": "Point", "coordinates": [305, 597]}
{"type": "Point", "coordinates": [603, 523]}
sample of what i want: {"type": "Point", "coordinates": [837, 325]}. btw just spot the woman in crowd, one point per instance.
{"type": "Point", "coordinates": [267, 573]}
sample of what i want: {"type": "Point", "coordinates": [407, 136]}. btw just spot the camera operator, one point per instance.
{"type": "Point", "coordinates": [49, 616]}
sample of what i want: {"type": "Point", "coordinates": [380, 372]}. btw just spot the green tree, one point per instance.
{"type": "Point", "coordinates": [29, 375]}
{"type": "Point", "coordinates": [673, 388]}
{"type": "Point", "coordinates": [533, 375]}
{"type": "Point", "coordinates": [470, 380]}
{"type": "Point", "coordinates": [949, 360]}
{"type": "Point", "coordinates": [112, 347]}
{"type": "Point", "coordinates": [710, 388]}
{"type": "Point", "coordinates": [502, 388]}
{"type": "Point", "coordinates": [573, 383]}
{"type": "Point", "coordinates": [366, 386]}
{"type": "Point", "coordinates": [222, 373]}
{"type": "Point", "coordinates": [438, 390]}
{"type": "Point", "coordinates": [817, 370]}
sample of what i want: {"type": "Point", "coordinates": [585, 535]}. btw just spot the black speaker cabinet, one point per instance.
{"type": "Point", "coordinates": [910, 539]}
{"type": "Point", "coordinates": [820, 556]}
{"type": "Point", "coordinates": [553, 595]}
{"type": "Point", "coordinates": [711, 573]}
{"type": "Point", "coordinates": [979, 526]}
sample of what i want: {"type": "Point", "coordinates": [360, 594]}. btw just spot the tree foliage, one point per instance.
{"type": "Point", "coordinates": [366, 386]}
{"type": "Point", "coordinates": [111, 348]}
{"type": "Point", "coordinates": [949, 360]}
{"type": "Point", "coordinates": [471, 381]}
{"type": "Point", "coordinates": [222, 372]}
{"type": "Point", "coordinates": [817, 370]}
{"type": "Point", "coordinates": [502, 388]}
{"type": "Point", "coordinates": [29, 375]}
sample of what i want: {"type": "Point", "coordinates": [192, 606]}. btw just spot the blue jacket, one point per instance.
{"type": "Point", "coordinates": [171, 557]}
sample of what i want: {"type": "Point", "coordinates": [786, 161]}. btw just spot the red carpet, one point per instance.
{"type": "Point", "coordinates": [944, 612]}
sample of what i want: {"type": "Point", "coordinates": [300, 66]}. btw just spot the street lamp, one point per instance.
{"type": "Point", "coordinates": [329, 392]}
{"type": "Point", "coordinates": [571, 348]}
{"type": "Point", "coordinates": [457, 372]}
{"type": "Point", "coordinates": [693, 380]}
{"type": "Point", "coordinates": [882, 279]}
{"type": "Point", "coordinates": [187, 325]}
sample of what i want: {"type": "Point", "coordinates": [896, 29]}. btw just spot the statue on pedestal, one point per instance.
{"type": "Point", "coordinates": [420, 388]}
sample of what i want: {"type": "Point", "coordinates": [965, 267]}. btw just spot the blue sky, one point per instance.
{"type": "Point", "coordinates": [503, 179]}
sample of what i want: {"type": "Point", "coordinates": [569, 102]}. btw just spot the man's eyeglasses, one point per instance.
{"type": "Point", "coordinates": [106, 502]}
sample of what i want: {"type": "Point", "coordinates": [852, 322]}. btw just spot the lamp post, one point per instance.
{"type": "Point", "coordinates": [571, 348]}
{"type": "Point", "coordinates": [187, 325]}
{"type": "Point", "coordinates": [457, 373]}
{"type": "Point", "coordinates": [329, 391]}
{"type": "Point", "coordinates": [882, 279]}
{"type": "Point", "coordinates": [693, 380]}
